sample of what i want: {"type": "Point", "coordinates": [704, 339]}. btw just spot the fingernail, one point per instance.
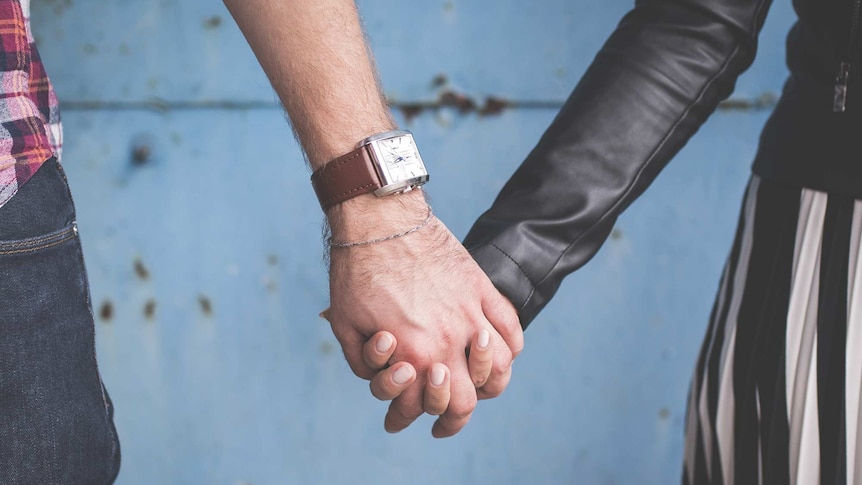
{"type": "Point", "coordinates": [384, 343]}
{"type": "Point", "coordinates": [484, 339]}
{"type": "Point", "coordinates": [402, 375]}
{"type": "Point", "coordinates": [437, 375]}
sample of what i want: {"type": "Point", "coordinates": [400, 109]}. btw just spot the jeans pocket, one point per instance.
{"type": "Point", "coordinates": [56, 421]}
{"type": "Point", "coordinates": [38, 243]}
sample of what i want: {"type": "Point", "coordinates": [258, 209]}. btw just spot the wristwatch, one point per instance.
{"type": "Point", "coordinates": [386, 163]}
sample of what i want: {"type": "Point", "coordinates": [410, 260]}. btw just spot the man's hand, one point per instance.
{"type": "Point", "coordinates": [426, 290]}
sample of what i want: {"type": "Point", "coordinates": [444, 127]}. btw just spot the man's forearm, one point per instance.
{"type": "Point", "coordinates": [315, 55]}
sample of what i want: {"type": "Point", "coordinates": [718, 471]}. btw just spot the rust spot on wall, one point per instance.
{"type": "Point", "coordinates": [270, 284]}
{"type": "Point", "coordinates": [493, 106]}
{"type": "Point", "coordinates": [616, 234]}
{"type": "Point", "coordinates": [60, 6]}
{"type": "Point", "coordinates": [272, 260]}
{"type": "Point", "coordinates": [439, 81]}
{"type": "Point", "coordinates": [450, 98]}
{"type": "Point", "coordinates": [150, 309]}
{"type": "Point", "coordinates": [206, 305]}
{"type": "Point", "coordinates": [326, 348]}
{"type": "Point", "coordinates": [106, 311]}
{"type": "Point", "coordinates": [664, 414]}
{"type": "Point", "coordinates": [212, 22]}
{"type": "Point", "coordinates": [411, 110]}
{"type": "Point", "coordinates": [459, 101]}
{"type": "Point", "coordinates": [141, 271]}
{"type": "Point", "coordinates": [141, 154]}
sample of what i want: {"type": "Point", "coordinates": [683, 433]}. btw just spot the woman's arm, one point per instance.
{"type": "Point", "coordinates": [659, 76]}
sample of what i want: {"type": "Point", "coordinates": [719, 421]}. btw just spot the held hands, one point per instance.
{"type": "Point", "coordinates": [421, 303]}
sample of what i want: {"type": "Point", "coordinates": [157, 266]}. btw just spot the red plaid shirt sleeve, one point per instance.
{"type": "Point", "coordinates": [30, 129]}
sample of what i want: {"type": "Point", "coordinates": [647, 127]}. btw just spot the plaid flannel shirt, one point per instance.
{"type": "Point", "coordinates": [30, 130]}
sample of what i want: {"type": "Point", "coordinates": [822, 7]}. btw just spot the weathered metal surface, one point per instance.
{"type": "Point", "coordinates": [202, 239]}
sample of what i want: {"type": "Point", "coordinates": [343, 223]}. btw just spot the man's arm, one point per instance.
{"type": "Point", "coordinates": [315, 55]}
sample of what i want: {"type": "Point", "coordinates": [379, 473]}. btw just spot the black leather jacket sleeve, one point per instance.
{"type": "Point", "coordinates": [659, 76]}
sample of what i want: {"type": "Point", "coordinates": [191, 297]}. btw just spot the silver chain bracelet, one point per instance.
{"type": "Point", "coordinates": [338, 244]}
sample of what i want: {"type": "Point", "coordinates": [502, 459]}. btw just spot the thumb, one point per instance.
{"type": "Point", "coordinates": [503, 316]}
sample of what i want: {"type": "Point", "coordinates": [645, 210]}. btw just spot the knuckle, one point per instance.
{"type": "Point", "coordinates": [377, 393]}
{"type": "Point", "coordinates": [436, 400]}
{"type": "Point", "coordinates": [402, 414]}
{"type": "Point", "coordinates": [375, 362]}
{"type": "Point", "coordinates": [492, 390]}
{"type": "Point", "coordinates": [361, 371]}
{"type": "Point", "coordinates": [463, 410]}
{"type": "Point", "coordinates": [495, 387]}
{"type": "Point", "coordinates": [447, 338]}
{"type": "Point", "coordinates": [479, 380]}
{"type": "Point", "coordinates": [406, 353]}
{"type": "Point", "coordinates": [501, 366]}
{"type": "Point", "coordinates": [435, 408]}
{"type": "Point", "coordinates": [380, 391]}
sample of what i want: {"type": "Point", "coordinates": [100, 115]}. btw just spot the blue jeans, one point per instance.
{"type": "Point", "coordinates": [56, 420]}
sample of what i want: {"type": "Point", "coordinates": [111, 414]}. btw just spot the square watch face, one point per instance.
{"type": "Point", "coordinates": [399, 159]}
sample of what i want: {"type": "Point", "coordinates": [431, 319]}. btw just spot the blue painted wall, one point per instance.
{"type": "Point", "coordinates": [202, 239]}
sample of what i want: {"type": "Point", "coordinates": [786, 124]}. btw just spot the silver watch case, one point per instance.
{"type": "Point", "coordinates": [390, 181]}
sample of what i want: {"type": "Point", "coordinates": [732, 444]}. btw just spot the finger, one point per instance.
{"type": "Point", "coordinates": [437, 390]}
{"type": "Point", "coordinates": [405, 408]}
{"type": "Point", "coordinates": [481, 358]}
{"type": "Point", "coordinates": [379, 348]}
{"type": "Point", "coordinates": [496, 384]}
{"type": "Point", "coordinates": [352, 343]}
{"type": "Point", "coordinates": [461, 404]}
{"type": "Point", "coordinates": [390, 383]}
{"type": "Point", "coordinates": [501, 369]}
{"type": "Point", "coordinates": [503, 316]}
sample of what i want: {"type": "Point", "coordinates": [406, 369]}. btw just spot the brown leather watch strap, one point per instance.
{"type": "Point", "coordinates": [345, 177]}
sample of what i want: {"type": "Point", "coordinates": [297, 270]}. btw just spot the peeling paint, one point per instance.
{"type": "Point", "coordinates": [461, 102]}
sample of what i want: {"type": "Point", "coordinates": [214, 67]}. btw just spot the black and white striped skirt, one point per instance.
{"type": "Point", "coordinates": [775, 397]}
